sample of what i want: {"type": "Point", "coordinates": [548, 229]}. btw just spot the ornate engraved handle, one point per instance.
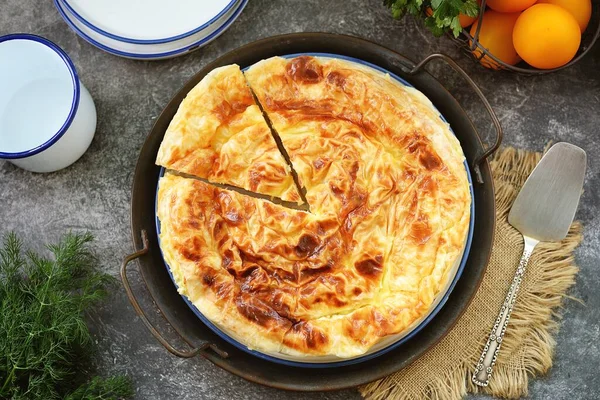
{"type": "Point", "coordinates": [484, 368]}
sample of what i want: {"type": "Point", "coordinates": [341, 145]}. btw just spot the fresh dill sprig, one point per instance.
{"type": "Point", "coordinates": [98, 388]}
{"type": "Point", "coordinates": [42, 326]}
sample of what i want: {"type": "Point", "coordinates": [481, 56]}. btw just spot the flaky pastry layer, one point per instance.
{"type": "Point", "coordinates": [219, 134]}
{"type": "Point", "coordinates": [390, 209]}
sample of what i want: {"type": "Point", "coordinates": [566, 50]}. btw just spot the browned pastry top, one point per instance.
{"type": "Point", "coordinates": [389, 214]}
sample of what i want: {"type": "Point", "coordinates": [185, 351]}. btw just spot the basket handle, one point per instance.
{"type": "Point", "coordinates": [499, 134]}
{"type": "Point", "coordinates": [138, 309]}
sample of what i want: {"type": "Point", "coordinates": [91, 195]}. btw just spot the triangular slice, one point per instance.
{"type": "Point", "coordinates": [219, 134]}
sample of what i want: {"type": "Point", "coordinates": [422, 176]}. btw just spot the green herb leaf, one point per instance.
{"type": "Point", "coordinates": [433, 26]}
{"type": "Point", "coordinates": [470, 8]}
{"type": "Point", "coordinates": [445, 12]}
{"type": "Point", "coordinates": [435, 4]}
{"type": "Point", "coordinates": [110, 389]}
{"type": "Point", "coordinates": [455, 26]}
{"type": "Point", "coordinates": [398, 7]}
{"type": "Point", "coordinates": [42, 330]}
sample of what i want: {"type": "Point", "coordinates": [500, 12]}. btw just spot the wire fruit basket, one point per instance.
{"type": "Point", "coordinates": [474, 48]}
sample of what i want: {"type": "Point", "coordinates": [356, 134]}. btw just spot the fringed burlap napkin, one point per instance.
{"type": "Point", "coordinates": [444, 372]}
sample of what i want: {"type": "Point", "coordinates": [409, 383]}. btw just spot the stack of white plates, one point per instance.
{"type": "Point", "coordinates": [149, 29]}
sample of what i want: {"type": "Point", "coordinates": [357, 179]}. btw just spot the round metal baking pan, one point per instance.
{"type": "Point", "coordinates": [209, 345]}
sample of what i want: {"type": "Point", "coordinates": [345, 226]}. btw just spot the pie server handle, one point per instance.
{"type": "Point", "coordinates": [484, 368]}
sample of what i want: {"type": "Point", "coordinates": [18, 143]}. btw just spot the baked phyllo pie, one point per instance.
{"type": "Point", "coordinates": [219, 134]}
{"type": "Point", "coordinates": [389, 216]}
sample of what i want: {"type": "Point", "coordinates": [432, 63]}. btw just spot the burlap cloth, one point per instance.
{"type": "Point", "coordinates": [444, 372]}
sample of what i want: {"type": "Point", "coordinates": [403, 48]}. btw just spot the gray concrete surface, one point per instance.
{"type": "Point", "coordinates": [94, 193]}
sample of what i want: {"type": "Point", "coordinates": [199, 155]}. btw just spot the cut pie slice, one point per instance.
{"type": "Point", "coordinates": [219, 134]}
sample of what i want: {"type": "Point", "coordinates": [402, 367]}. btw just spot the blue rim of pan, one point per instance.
{"type": "Point", "coordinates": [74, 104]}
{"type": "Point", "coordinates": [173, 53]}
{"type": "Point", "coordinates": [367, 357]}
{"type": "Point", "coordinates": [147, 41]}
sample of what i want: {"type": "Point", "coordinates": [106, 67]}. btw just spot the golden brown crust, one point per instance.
{"type": "Point", "coordinates": [390, 208]}
{"type": "Point", "coordinates": [219, 134]}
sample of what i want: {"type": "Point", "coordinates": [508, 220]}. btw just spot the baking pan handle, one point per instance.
{"type": "Point", "coordinates": [146, 321]}
{"type": "Point", "coordinates": [482, 157]}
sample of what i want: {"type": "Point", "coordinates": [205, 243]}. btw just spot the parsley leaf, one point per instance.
{"type": "Point", "coordinates": [444, 17]}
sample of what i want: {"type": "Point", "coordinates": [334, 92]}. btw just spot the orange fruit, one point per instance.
{"type": "Point", "coordinates": [580, 9]}
{"type": "Point", "coordinates": [465, 20]}
{"type": "Point", "coordinates": [546, 36]}
{"type": "Point", "coordinates": [510, 6]}
{"type": "Point", "coordinates": [496, 35]}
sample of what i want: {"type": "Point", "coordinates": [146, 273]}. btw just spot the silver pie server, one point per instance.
{"type": "Point", "coordinates": [543, 212]}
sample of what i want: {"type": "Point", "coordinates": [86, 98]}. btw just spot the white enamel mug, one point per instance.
{"type": "Point", "coordinates": [47, 117]}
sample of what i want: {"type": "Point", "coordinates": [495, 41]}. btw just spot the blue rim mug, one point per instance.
{"type": "Point", "coordinates": [47, 117]}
